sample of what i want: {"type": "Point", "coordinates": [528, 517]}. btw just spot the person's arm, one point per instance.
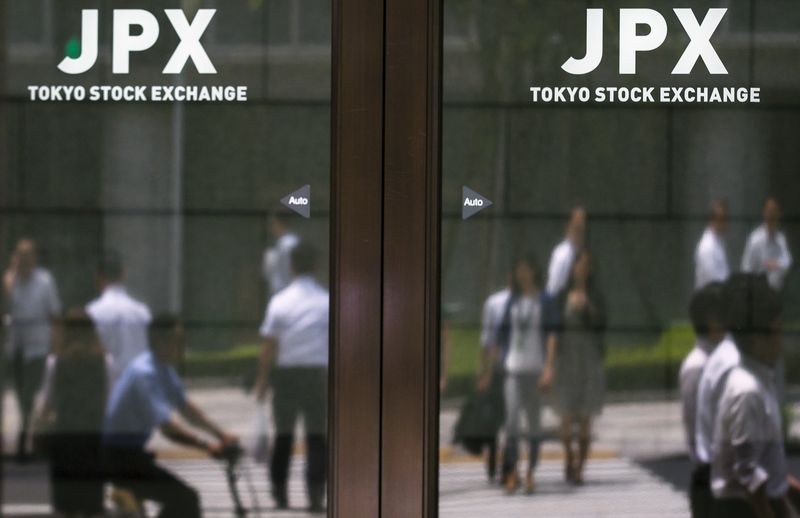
{"type": "Point", "coordinates": [785, 258]}
{"type": "Point", "coordinates": [196, 417]}
{"type": "Point", "coordinates": [178, 433]}
{"type": "Point", "coordinates": [265, 362]}
{"type": "Point", "coordinates": [548, 373]}
{"type": "Point", "coordinates": [489, 357]}
{"type": "Point", "coordinates": [747, 418]}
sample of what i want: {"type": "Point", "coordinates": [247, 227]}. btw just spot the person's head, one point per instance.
{"type": "Point", "coordinates": [707, 312]}
{"type": "Point", "coordinates": [109, 269]}
{"type": "Point", "coordinates": [26, 256]}
{"type": "Point", "coordinates": [78, 335]}
{"type": "Point", "coordinates": [279, 222]}
{"type": "Point", "coordinates": [753, 316]}
{"type": "Point", "coordinates": [167, 339]}
{"type": "Point", "coordinates": [576, 226]}
{"type": "Point", "coordinates": [525, 274]}
{"type": "Point", "coordinates": [303, 259]}
{"type": "Point", "coordinates": [771, 214]}
{"type": "Point", "coordinates": [718, 216]}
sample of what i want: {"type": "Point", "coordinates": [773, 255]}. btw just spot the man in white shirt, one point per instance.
{"type": "Point", "coordinates": [707, 316]}
{"type": "Point", "coordinates": [34, 305]}
{"type": "Point", "coordinates": [121, 321]}
{"type": "Point", "coordinates": [564, 253]}
{"type": "Point", "coordinates": [711, 257]}
{"type": "Point", "coordinates": [276, 265]}
{"type": "Point", "coordinates": [294, 362]}
{"type": "Point", "coordinates": [748, 468]}
{"type": "Point", "coordinates": [766, 250]}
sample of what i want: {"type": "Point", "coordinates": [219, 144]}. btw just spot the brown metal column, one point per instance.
{"type": "Point", "coordinates": [356, 192]}
{"type": "Point", "coordinates": [409, 442]}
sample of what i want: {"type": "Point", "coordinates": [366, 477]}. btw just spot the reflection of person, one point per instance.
{"type": "Point", "coordinates": [295, 332]}
{"type": "Point", "coordinates": [579, 378]}
{"type": "Point", "coordinates": [711, 257]}
{"type": "Point", "coordinates": [766, 250]}
{"type": "Point", "coordinates": [492, 372]}
{"type": "Point", "coordinates": [120, 319]}
{"type": "Point", "coordinates": [749, 472]}
{"type": "Point", "coordinates": [528, 329]}
{"type": "Point", "coordinates": [276, 263]}
{"type": "Point", "coordinates": [708, 320]}
{"type": "Point", "coordinates": [33, 305]}
{"type": "Point", "coordinates": [73, 401]}
{"type": "Point", "coordinates": [565, 252]}
{"type": "Point", "coordinates": [144, 398]}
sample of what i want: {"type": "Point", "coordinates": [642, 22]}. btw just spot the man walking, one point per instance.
{"type": "Point", "coordinates": [749, 472]}
{"type": "Point", "coordinates": [33, 305]}
{"type": "Point", "coordinates": [708, 320]}
{"type": "Point", "coordinates": [766, 250]}
{"type": "Point", "coordinates": [711, 257]}
{"type": "Point", "coordinates": [276, 263]}
{"type": "Point", "coordinates": [294, 362]}
{"type": "Point", "coordinates": [121, 320]}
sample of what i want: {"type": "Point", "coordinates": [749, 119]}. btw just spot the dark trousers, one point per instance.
{"type": "Point", "coordinates": [76, 478]}
{"type": "Point", "coordinates": [300, 392]}
{"type": "Point", "coordinates": [136, 471]}
{"type": "Point", "coordinates": [28, 375]}
{"type": "Point", "coordinates": [700, 497]}
{"type": "Point", "coordinates": [736, 508]}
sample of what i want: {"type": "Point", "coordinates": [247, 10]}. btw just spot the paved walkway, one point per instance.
{"type": "Point", "coordinates": [616, 485]}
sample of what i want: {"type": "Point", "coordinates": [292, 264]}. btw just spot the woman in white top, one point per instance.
{"type": "Point", "coordinates": [526, 332]}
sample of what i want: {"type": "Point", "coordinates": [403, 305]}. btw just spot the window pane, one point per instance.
{"type": "Point", "coordinates": [165, 270]}
{"type": "Point", "coordinates": [575, 235]}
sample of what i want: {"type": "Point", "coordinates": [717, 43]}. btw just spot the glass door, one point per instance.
{"type": "Point", "coordinates": [579, 237]}
{"type": "Point", "coordinates": [164, 238]}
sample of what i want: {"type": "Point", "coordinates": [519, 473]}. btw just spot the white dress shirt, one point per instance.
{"type": "Point", "coordinates": [762, 248]}
{"type": "Point", "coordinates": [34, 303]}
{"type": "Point", "coordinates": [689, 378]}
{"type": "Point", "coordinates": [297, 319]}
{"type": "Point", "coordinates": [749, 451]}
{"type": "Point", "coordinates": [712, 381]}
{"type": "Point", "coordinates": [121, 322]}
{"type": "Point", "coordinates": [560, 267]}
{"type": "Point", "coordinates": [277, 262]}
{"type": "Point", "coordinates": [710, 260]}
{"type": "Point", "coordinates": [493, 310]}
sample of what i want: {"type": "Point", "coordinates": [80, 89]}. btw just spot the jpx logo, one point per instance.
{"type": "Point", "coordinates": [126, 40]}
{"type": "Point", "coordinates": [631, 42]}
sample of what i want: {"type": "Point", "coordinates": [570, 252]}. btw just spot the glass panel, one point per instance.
{"type": "Point", "coordinates": [569, 240]}
{"type": "Point", "coordinates": [165, 269]}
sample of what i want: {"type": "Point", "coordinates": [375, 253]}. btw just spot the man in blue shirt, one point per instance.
{"type": "Point", "coordinates": [146, 397]}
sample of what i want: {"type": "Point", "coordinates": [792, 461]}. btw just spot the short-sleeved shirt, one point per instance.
{"type": "Point", "coordinates": [710, 260]}
{"type": "Point", "coordinates": [121, 322]}
{"type": "Point", "coordinates": [297, 319]}
{"type": "Point", "coordinates": [689, 380]}
{"type": "Point", "coordinates": [763, 247]}
{"type": "Point", "coordinates": [748, 450]}
{"type": "Point", "coordinates": [560, 267]}
{"type": "Point", "coordinates": [719, 364]}
{"type": "Point", "coordinates": [143, 399]}
{"type": "Point", "coordinates": [492, 317]}
{"type": "Point", "coordinates": [34, 303]}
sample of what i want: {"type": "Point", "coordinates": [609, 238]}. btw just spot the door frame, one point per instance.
{"type": "Point", "coordinates": [385, 264]}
